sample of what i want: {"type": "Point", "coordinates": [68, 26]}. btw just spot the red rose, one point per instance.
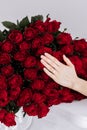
{"type": "Point", "coordinates": [30, 62]}
{"type": "Point", "coordinates": [16, 79]}
{"type": "Point", "coordinates": [58, 55]}
{"type": "Point", "coordinates": [30, 87]}
{"type": "Point", "coordinates": [38, 84]}
{"type": "Point", "coordinates": [84, 75]}
{"type": "Point", "coordinates": [52, 89]}
{"type": "Point", "coordinates": [52, 101]}
{"type": "Point", "coordinates": [48, 50]}
{"type": "Point", "coordinates": [52, 26]}
{"type": "Point", "coordinates": [2, 114]}
{"type": "Point", "coordinates": [14, 92]}
{"type": "Point", "coordinates": [20, 56]}
{"type": "Point", "coordinates": [65, 95]}
{"type": "Point", "coordinates": [43, 76]}
{"type": "Point", "coordinates": [52, 85]}
{"type": "Point", "coordinates": [30, 33]}
{"type": "Point", "coordinates": [7, 46]}
{"type": "Point", "coordinates": [30, 74]}
{"type": "Point", "coordinates": [78, 96]}
{"type": "Point", "coordinates": [3, 83]}
{"type": "Point", "coordinates": [1, 44]}
{"type": "Point", "coordinates": [42, 110]}
{"type": "Point", "coordinates": [40, 65]}
{"type": "Point", "coordinates": [47, 38]}
{"type": "Point", "coordinates": [38, 98]}
{"type": "Point", "coordinates": [42, 50]}
{"type": "Point", "coordinates": [84, 53]}
{"type": "Point", "coordinates": [31, 109]}
{"type": "Point", "coordinates": [24, 46]}
{"type": "Point", "coordinates": [84, 62]}
{"type": "Point", "coordinates": [67, 50]}
{"type": "Point", "coordinates": [39, 25]}
{"type": "Point", "coordinates": [80, 45]}
{"type": "Point", "coordinates": [3, 98]}
{"type": "Point", "coordinates": [15, 36]}
{"type": "Point", "coordinates": [4, 58]}
{"type": "Point", "coordinates": [51, 92]}
{"type": "Point", "coordinates": [36, 43]}
{"type": "Point", "coordinates": [64, 38]}
{"type": "Point", "coordinates": [78, 64]}
{"type": "Point", "coordinates": [9, 119]}
{"type": "Point", "coordinates": [25, 97]}
{"type": "Point", "coordinates": [7, 70]}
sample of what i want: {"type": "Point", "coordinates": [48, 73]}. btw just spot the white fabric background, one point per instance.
{"type": "Point", "coordinates": [73, 15]}
{"type": "Point", "coordinates": [71, 116]}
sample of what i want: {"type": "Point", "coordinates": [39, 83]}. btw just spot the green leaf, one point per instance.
{"type": "Point", "coordinates": [5, 33]}
{"type": "Point", "coordinates": [47, 16]}
{"type": "Point", "coordinates": [76, 38]}
{"type": "Point", "coordinates": [56, 33]}
{"type": "Point", "coordinates": [24, 114]}
{"type": "Point", "coordinates": [9, 25]}
{"type": "Point", "coordinates": [12, 107]}
{"type": "Point", "coordinates": [65, 29]}
{"type": "Point", "coordinates": [37, 17]}
{"type": "Point", "coordinates": [24, 22]}
{"type": "Point", "coordinates": [2, 37]}
{"type": "Point", "coordinates": [18, 23]}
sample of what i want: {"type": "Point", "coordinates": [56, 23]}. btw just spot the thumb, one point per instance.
{"type": "Point", "coordinates": [67, 61]}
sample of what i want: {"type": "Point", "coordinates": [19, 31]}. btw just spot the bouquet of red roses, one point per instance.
{"type": "Point", "coordinates": [22, 80]}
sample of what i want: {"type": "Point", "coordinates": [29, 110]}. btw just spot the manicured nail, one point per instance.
{"type": "Point", "coordinates": [64, 55]}
{"type": "Point", "coordinates": [41, 56]}
{"type": "Point", "coordinates": [45, 53]}
{"type": "Point", "coordinates": [41, 60]}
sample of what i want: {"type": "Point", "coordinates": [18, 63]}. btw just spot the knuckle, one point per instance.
{"type": "Point", "coordinates": [53, 64]}
{"type": "Point", "coordinates": [53, 59]}
{"type": "Point", "coordinates": [50, 68]}
{"type": "Point", "coordinates": [53, 77]}
{"type": "Point", "coordinates": [50, 61]}
{"type": "Point", "coordinates": [73, 66]}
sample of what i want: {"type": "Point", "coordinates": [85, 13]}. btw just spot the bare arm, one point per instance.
{"type": "Point", "coordinates": [80, 86]}
{"type": "Point", "coordinates": [62, 74]}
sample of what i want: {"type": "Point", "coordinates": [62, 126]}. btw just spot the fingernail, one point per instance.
{"type": "Point", "coordinates": [41, 60]}
{"type": "Point", "coordinates": [45, 53]}
{"type": "Point", "coordinates": [63, 55]}
{"type": "Point", "coordinates": [41, 56]}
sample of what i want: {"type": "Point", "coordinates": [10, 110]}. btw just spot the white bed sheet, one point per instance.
{"type": "Point", "coordinates": [70, 116]}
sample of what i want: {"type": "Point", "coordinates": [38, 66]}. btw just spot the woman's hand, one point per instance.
{"type": "Point", "coordinates": [62, 74]}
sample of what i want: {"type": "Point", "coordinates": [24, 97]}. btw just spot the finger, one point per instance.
{"type": "Point", "coordinates": [51, 75]}
{"type": "Point", "coordinates": [68, 62]}
{"type": "Point", "coordinates": [53, 59]}
{"type": "Point", "coordinates": [49, 61]}
{"type": "Point", "coordinates": [50, 68]}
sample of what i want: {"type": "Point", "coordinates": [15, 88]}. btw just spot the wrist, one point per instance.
{"type": "Point", "coordinates": [77, 84]}
{"type": "Point", "coordinates": [80, 86]}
